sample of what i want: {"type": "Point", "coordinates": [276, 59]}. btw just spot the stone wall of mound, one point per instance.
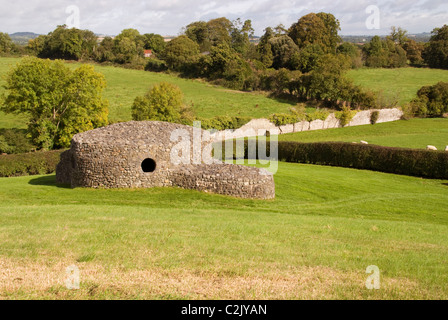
{"type": "Point", "coordinates": [115, 157]}
{"type": "Point", "coordinates": [227, 179]}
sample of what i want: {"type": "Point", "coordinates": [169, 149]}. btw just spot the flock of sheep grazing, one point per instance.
{"type": "Point", "coordinates": [427, 147]}
{"type": "Point", "coordinates": [434, 148]}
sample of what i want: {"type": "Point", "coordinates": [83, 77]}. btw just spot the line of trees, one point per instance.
{"type": "Point", "coordinates": [73, 44]}
{"type": "Point", "coordinates": [205, 49]}
{"type": "Point", "coordinates": [8, 47]}
{"type": "Point", "coordinates": [306, 61]}
{"type": "Point", "coordinates": [295, 48]}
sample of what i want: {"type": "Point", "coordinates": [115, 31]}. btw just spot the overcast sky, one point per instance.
{"type": "Point", "coordinates": [167, 17]}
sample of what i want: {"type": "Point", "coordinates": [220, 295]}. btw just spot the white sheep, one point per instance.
{"type": "Point", "coordinates": [431, 148]}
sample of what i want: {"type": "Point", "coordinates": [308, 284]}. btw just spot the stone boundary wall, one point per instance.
{"type": "Point", "coordinates": [259, 127]}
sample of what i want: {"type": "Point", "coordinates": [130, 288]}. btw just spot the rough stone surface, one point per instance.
{"type": "Point", "coordinates": [361, 118]}
{"type": "Point", "coordinates": [259, 127]}
{"type": "Point", "coordinates": [255, 127]}
{"type": "Point", "coordinates": [112, 157]}
{"type": "Point", "coordinates": [317, 125]}
{"type": "Point", "coordinates": [388, 115]}
{"type": "Point", "coordinates": [301, 126]}
{"type": "Point", "coordinates": [332, 122]}
{"type": "Point", "coordinates": [289, 128]}
{"type": "Point", "coordinates": [258, 124]}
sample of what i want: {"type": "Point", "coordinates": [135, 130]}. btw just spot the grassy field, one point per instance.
{"type": "Point", "coordinates": [415, 133]}
{"type": "Point", "coordinates": [314, 241]}
{"type": "Point", "coordinates": [123, 85]}
{"type": "Point", "coordinates": [401, 84]}
{"type": "Point", "coordinates": [209, 101]}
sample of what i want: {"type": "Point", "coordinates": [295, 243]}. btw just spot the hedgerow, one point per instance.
{"type": "Point", "coordinates": [411, 162]}
{"type": "Point", "coordinates": [35, 163]}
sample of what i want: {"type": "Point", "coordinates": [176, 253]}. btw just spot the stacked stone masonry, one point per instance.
{"type": "Point", "coordinates": [259, 127]}
{"type": "Point", "coordinates": [139, 155]}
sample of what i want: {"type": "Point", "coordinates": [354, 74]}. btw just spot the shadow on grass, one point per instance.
{"type": "Point", "coordinates": [445, 184]}
{"type": "Point", "coordinates": [284, 98]}
{"type": "Point", "coordinates": [48, 181]}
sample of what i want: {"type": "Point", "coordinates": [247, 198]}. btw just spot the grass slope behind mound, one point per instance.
{"type": "Point", "coordinates": [315, 240]}
{"type": "Point", "coordinates": [415, 133]}
{"type": "Point", "coordinates": [399, 84]}
{"type": "Point", "coordinates": [124, 85]}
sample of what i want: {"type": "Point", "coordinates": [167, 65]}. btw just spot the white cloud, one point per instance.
{"type": "Point", "coordinates": [169, 16]}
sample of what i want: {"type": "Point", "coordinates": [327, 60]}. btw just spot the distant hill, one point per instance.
{"type": "Point", "coordinates": [420, 37]}
{"type": "Point", "coordinates": [22, 38]}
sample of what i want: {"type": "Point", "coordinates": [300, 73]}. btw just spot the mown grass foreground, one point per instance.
{"type": "Point", "coordinates": [315, 241]}
{"type": "Point", "coordinates": [414, 133]}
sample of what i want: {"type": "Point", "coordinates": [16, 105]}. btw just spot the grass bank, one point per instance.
{"type": "Point", "coordinates": [314, 241]}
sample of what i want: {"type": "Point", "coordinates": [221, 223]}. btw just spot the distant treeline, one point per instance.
{"type": "Point", "coordinates": [362, 39]}
{"type": "Point", "coordinates": [306, 61]}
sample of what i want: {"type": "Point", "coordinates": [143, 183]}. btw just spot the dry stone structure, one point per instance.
{"type": "Point", "coordinates": [139, 155]}
{"type": "Point", "coordinates": [259, 127]}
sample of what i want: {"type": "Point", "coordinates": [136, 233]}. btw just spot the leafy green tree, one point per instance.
{"type": "Point", "coordinates": [280, 30]}
{"type": "Point", "coordinates": [264, 48]}
{"type": "Point", "coordinates": [58, 101]}
{"type": "Point", "coordinates": [327, 79]}
{"type": "Point", "coordinates": [431, 101]}
{"type": "Point", "coordinates": [396, 55]}
{"type": "Point", "coordinates": [199, 33]}
{"type": "Point", "coordinates": [219, 59]}
{"type": "Point", "coordinates": [132, 34]}
{"type": "Point", "coordinates": [351, 51]}
{"type": "Point", "coordinates": [128, 46]}
{"type": "Point", "coordinates": [308, 58]}
{"type": "Point", "coordinates": [239, 75]}
{"type": "Point", "coordinates": [414, 51]}
{"type": "Point", "coordinates": [6, 44]}
{"type": "Point", "coordinates": [281, 80]}
{"type": "Point", "coordinates": [241, 33]}
{"type": "Point", "coordinates": [37, 46]}
{"type": "Point", "coordinates": [321, 29]}
{"type": "Point", "coordinates": [154, 42]}
{"type": "Point", "coordinates": [68, 44]}
{"type": "Point", "coordinates": [14, 141]}
{"type": "Point", "coordinates": [376, 53]}
{"type": "Point", "coordinates": [105, 51]}
{"type": "Point", "coordinates": [125, 50]}
{"type": "Point", "coordinates": [283, 49]}
{"type": "Point", "coordinates": [4, 146]}
{"type": "Point", "coordinates": [332, 28]}
{"type": "Point", "coordinates": [163, 102]}
{"type": "Point", "coordinates": [214, 32]}
{"type": "Point", "coordinates": [219, 31]}
{"type": "Point", "coordinates": [436, 53]}
{"type": "Point", "coordinates": [398, 35]}
{"type": "Point", "coordinates": [180, 53]}
{"type": "Point", "coordinates": [225, 64]}
{"type": "Point", "coordinates": [384, 54]}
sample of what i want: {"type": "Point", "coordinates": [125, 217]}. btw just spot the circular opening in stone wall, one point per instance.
{"type": "Point", "coordinates": [149, 165]}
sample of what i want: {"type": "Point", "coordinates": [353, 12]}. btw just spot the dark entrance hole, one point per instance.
{"type": "Point", "coordinates": [149, 165]}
